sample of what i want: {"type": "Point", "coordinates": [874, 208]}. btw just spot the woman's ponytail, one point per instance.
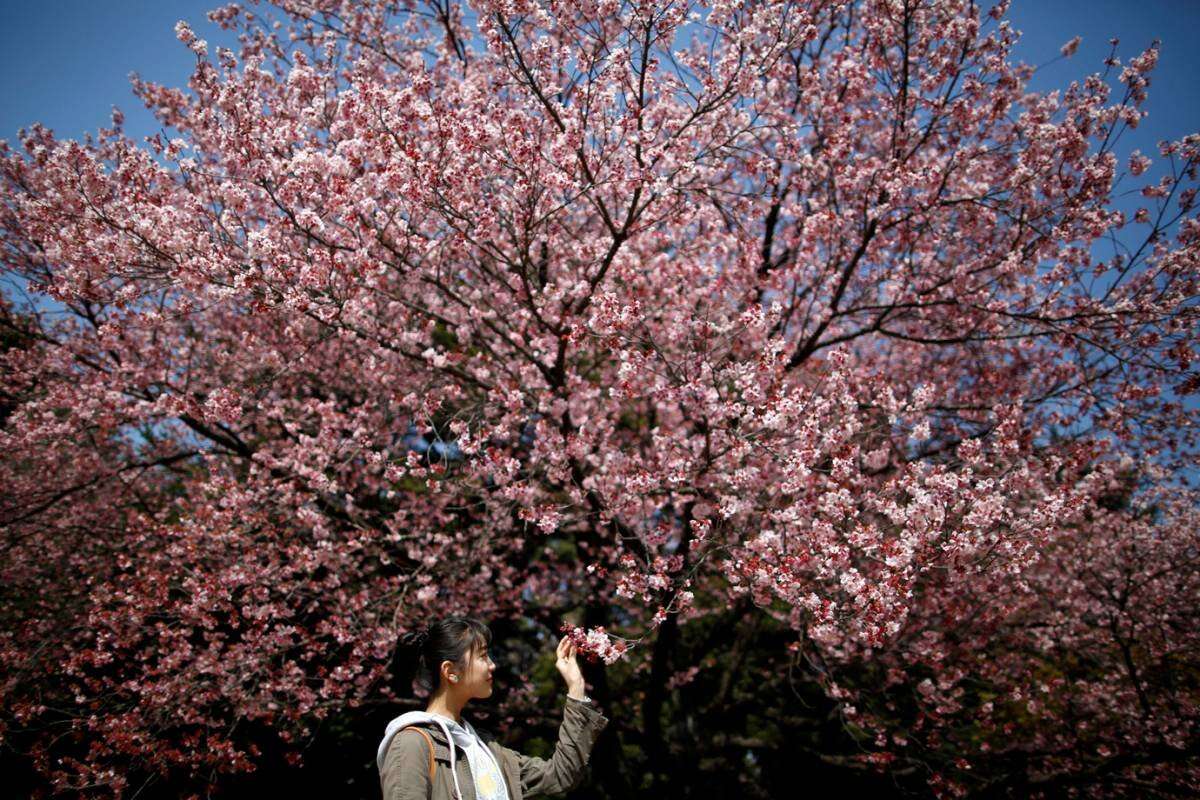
{"type": "Point", "coordinates": [415, 639]}
{"type": "Point", "coordinates": [407, 660]}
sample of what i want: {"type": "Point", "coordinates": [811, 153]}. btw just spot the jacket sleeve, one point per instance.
{"type": "Point", "coordinates": [581, 724]}
{"type": "Point", "coordinates": [405, 773]}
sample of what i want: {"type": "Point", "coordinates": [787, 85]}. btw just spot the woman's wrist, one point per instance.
{"type": "Point", "coordinates": [577, 692]}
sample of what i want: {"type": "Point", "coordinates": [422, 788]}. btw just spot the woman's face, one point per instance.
{"type": "Point", "coordinates": [476, 681]}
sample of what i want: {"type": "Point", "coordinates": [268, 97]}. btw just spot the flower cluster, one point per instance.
{"type": "Point", "coordinates": [595, 643]}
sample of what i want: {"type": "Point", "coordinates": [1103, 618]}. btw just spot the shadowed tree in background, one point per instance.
{"type": "Point", "coordinates": [792, 353]}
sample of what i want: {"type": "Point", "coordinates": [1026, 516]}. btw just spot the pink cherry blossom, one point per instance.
{"type": "Point", "coordinates": [784, 349]}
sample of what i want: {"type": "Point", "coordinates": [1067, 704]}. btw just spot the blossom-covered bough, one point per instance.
{"type": "Point", "coordinates": [795, 345]}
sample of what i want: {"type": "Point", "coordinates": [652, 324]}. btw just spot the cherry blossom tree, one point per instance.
{"type": "Point", "coordinates": [793, 357]}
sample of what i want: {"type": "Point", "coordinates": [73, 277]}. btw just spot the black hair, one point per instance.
{"type": "Point", "coordinates": [419, 653]}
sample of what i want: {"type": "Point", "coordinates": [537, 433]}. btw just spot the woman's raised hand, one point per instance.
{"type": "Point", "coordinates": [568, 667]}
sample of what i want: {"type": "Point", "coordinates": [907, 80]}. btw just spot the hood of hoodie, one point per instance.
{"type": "Point", "coordinates": [413, 718]}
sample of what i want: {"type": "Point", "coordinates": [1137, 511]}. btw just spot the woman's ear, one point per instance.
{"type": "Point", "coordinates": [447, 670]}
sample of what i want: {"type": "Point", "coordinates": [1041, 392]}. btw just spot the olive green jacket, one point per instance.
{"type": "Point", "coordinates": [404, 769]}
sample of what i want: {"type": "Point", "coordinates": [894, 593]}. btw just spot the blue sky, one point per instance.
{"type": "Point", "coordinates": [66, 62]}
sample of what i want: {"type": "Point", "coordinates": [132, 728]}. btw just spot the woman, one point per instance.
{"type": "Point", "coordinates": [435, 754]}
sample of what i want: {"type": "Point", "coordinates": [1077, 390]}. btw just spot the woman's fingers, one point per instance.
{"type": "Point", "coordinates": [566, 649]}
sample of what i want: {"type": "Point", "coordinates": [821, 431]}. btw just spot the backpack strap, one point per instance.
{"type": "Point", "coordinates": [429, 741]}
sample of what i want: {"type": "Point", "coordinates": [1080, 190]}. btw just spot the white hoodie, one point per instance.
{"type": "Point", "coordinates": [462, 735]}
